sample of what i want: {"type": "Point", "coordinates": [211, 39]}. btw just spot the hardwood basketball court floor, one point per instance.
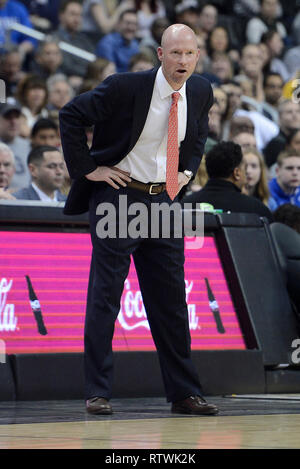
{"type": "Point", "coordinates": [244, 422]}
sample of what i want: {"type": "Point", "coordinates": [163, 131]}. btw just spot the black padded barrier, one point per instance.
{"type": "Point", "coordinates": [7, 382]}
{"type": "Point", "coordinates": [257, 279]}
{"type": "Point", "coordinates": [287, 245]}
{"type": "Point", "coordinates": [48, 376]}
{"type": "Point", "coordinates": [137, 374]}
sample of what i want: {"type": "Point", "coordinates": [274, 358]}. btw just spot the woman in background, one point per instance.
{"type": "Point", "coordinates": [32, 94]}
{"type": "Point", "coordinates": [256, 174]}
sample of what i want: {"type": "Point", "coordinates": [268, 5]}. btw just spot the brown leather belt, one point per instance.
{"type": "Point", "coordinates": [150, 188]}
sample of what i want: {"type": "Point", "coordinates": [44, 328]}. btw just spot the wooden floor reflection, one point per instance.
{"type": "Point", "coordinates": [220, 432]}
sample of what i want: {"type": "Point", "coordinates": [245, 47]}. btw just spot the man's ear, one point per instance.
{"type": "Point", "coordinates": [32, 169]}
{"type": "Point", "coordinates": [236, 173]}
{"type": "Point", "coordinates": [160, 53]}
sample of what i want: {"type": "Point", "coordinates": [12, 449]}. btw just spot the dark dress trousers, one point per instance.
{"type": "Point", "coordinates": [118, 109]}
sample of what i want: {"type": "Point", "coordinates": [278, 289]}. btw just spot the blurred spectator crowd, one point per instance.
{"type": "Point", "coordinates": [249, 51]}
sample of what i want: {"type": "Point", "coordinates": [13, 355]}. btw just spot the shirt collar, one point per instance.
{"type": "Point", "coordinates": [165, 89]}
{"type": "Point", "coordinates": [44, 197]}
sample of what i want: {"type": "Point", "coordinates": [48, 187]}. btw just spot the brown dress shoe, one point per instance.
{"type": "Point", "coordinates": [98, 406]}
{"type": "Point", "coordinates": [194, 405]}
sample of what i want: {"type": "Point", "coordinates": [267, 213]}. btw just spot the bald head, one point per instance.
{"type": "Point", "coordinates": [178, 54]}
{"type": "Point", "coordinates": [176, 31]}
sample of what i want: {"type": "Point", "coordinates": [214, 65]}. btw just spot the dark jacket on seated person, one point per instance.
{"type": "Point", "coordinates": [225, 195]}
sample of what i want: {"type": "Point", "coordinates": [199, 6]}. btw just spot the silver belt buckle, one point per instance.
{"type": "Point", "coordinates": [150, 189]}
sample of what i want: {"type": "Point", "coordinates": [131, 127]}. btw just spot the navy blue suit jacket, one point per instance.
{"type": "Point", "coordinates": [118, 109]}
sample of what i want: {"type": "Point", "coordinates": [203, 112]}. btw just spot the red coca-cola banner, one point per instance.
{"type": "Point", "coordinates": [43, 287]}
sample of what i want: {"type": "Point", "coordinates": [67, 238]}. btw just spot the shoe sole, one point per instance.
{"type": "Point", "coordinates": [190, 412]}
{"type": "Point", "coordinates": [100, 412]}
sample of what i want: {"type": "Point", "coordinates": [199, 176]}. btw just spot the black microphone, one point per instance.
{"type": "Point", "coordinates": [36, 308]}
{"type": "Point", "coordinates": [214, 308]}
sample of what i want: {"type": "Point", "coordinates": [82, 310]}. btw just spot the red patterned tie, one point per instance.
{"type": "Point", "coordinates": [172, 150]}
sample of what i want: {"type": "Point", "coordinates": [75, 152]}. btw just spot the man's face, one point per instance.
{"type": "Point", "coordinates": [47, 137]}
{"type": "Point", "coordinates": [128, 26]}
{"type": "Point", "coordinates": [179, 58]}
{"type": "Point", "coordinates": [288, 173]}
{"type": "Point", "coordinates": [10, 125]}
{"type": "Point", "coordinates": [221, 67]}
{"type": "Point", "coordinates": [290, 116]}
{"type": "Point", "coordinates": [3, 3]}
{"type": "Point", "coordinates": [208, 18]}
{"type": "Point", "coordinates": [245, 140]}
{"type": "Point", "coordinates": [50, 57]}
{"type": "Point", "coordinates": [273, 89]}
{"type": "Point", "coordinates": [60, 94]}
{"type": "Point", "coordinates": [189, 17]}
{"type": "Point", "coordinates": [71, 18]}
{"type": "Point", "coordinates": [269, 8]}
{"type": "Point", "coordinates": [12, 66]}
{"type": "Point", "coordinates": [49, 173]}
{"type": "Point", "coordinates": [7, 168]}
{"type": "Point", "coordinates": [276, 44]}
{"type": "Point", "coordinates": [252, 61]}
{"type": "Point", "coordinates": [234, 94]}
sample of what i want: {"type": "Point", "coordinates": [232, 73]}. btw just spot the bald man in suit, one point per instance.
{"type": "Point", "coordinates": [133, 154]}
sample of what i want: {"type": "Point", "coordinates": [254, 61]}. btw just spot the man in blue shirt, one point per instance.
{"type": "Point", "coordinates": [285, 188]}
{"type": "Point", "coordinates": [14, 12]}
{"type": "Point", "coordinates": [121, 45]}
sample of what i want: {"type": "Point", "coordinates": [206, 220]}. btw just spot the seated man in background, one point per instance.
{"type": "Point", "coordinates": [45, 132]}
{"type": "Point", "coordinates": [47, 59]}
{"type": "Point", "coordinates": [60, 92]}
{"type": "Point", "coordinates": [273, 87]}
{"type": "Point", "coordinates": [7, 170]}
{"type": "Point", "coordinates": [285, 187]}
{"type": "Point", "coordinates": [226, 171]}
{"type": "Point", "coordinates": [10, 128]}
{"type": "Point", "coordinates": [46, 166]}
{"type": "Point", "coordinates": [11, 68]}
{"type": "Point", "coordinates": [119, 46]}
{"type": "Point", "coordinates": [289, 119]}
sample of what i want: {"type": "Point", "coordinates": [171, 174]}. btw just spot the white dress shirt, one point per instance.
{"type": "Point", "coordinates": [44, 197]}
{"type": "Point", "coordinates": [147, 160]}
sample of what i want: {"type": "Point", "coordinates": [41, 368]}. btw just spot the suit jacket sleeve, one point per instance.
{"type": "Point", "coordinates": [84, 111]}
{"type": "Point", "coordinates": [202, 133]}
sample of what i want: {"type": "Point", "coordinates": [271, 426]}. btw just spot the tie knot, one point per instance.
{"type": "Point", "coordinates": [175, 97]}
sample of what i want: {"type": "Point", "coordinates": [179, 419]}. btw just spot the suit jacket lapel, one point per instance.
{"type": "Point", "coordinates": [142, 102]}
